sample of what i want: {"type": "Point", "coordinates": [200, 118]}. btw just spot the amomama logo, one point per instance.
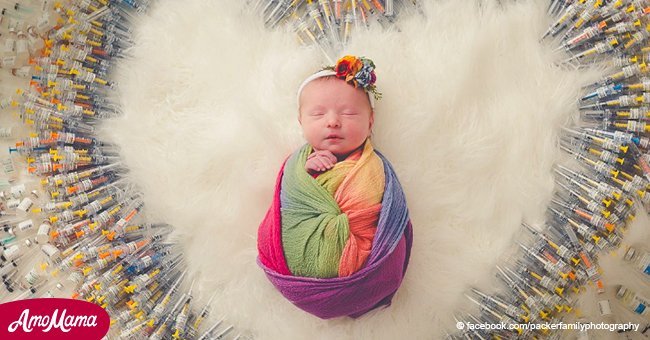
{"type": "Point", "coordinates": [52, 319]}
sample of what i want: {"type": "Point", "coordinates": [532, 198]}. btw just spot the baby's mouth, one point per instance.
{"type": "Point", "coordinates": [333, 136]}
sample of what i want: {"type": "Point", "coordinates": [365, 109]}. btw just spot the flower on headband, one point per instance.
{"type": "Point", "coordinates": [358, 72]}
{"type": "Point", "coordinates": [366, 76]}
{"type": "Point", "coordinates": [347, 67]}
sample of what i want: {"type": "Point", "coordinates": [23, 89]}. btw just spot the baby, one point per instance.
{"type": "Point", "coordinates": [337, 238]}
{"type": "Point", "coordinates": [336, 119]}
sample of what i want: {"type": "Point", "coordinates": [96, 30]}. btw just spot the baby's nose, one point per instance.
{"type": "Point", "coordinates": [333, 120]}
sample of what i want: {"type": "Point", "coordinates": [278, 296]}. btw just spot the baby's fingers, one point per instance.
{"type": "Point", "coordinates": [329, 155]}
{"type": "Point", "coordinates": [310, 164]}
{"type": "Point", "coordinates": [326, 161]}
{"type": "Point", "coordinates": [318, 164]}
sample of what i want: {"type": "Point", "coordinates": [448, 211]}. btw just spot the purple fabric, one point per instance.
{"type": "Point", "coordinates": [354, 295]}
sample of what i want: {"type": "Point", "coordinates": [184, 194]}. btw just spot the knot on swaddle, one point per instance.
{"type": "Point", "coordinates": [338, 244]}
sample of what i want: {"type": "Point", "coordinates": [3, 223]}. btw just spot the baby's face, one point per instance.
{"type": "Point", "coordinates": [335, 116]}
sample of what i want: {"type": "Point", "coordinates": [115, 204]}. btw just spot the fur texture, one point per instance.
{"type": "Point", "coordinates": [471, 111]}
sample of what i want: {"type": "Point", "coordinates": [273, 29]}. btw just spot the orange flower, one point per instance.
{"type": "Point", "coordinates": [346, 66]}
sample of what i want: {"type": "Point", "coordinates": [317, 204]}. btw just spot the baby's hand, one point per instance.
{"type": "Point", "coordinates": [320, 161]}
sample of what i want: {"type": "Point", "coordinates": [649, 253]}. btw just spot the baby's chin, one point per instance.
{"type": "Point", "coordinates": [339, 150]}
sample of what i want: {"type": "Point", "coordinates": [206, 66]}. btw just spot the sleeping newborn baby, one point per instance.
{"type": "Point", "coordinates": [337, 237]}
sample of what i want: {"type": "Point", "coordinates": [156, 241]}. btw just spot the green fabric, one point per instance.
{"type": "Point", "coordinates": [331, 180]}
{"type": "Point", "coordinates": [314, 230]}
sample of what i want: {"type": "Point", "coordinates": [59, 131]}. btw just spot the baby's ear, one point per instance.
{"type": "Point", "coordinates": [372, 118]}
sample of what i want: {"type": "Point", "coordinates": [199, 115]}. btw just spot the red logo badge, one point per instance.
{"type": "Point", "coordinates": [52, 319]}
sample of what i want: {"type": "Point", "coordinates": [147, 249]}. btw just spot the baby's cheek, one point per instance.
{"type": "Point", "coordinates": [360, 130]}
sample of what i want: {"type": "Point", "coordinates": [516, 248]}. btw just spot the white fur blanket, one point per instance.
{"type": "Point", "coordinates": [472, 108]}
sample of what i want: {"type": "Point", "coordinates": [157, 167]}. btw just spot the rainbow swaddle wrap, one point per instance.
{"type": "Point", "coordinates": [338, 244]}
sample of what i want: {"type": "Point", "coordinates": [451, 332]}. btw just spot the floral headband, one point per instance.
{"type": "Point", "coordinates": [356, 71]}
